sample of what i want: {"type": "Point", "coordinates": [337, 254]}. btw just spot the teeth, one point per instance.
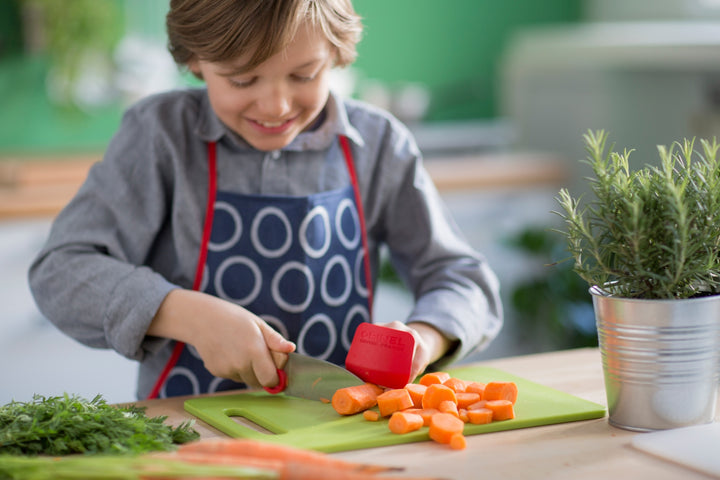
{"type": "Point", "coordinates": [270, 124]}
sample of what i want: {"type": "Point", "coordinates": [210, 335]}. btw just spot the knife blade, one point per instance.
{"type": "Point", "coordinates": [311, 378]}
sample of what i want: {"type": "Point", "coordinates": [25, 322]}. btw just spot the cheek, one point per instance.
{"type": "Point", "coordinates": [314, 98]}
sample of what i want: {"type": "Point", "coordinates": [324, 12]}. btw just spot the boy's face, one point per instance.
{"type": "Point", "coordinates": [270, 105]}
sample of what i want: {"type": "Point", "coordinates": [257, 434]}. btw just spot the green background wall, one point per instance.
{"type": "Point", "coordinates": [451, 46]}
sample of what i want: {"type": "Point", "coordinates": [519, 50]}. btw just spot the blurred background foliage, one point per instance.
{"type": "Point", "coordinates": [552, 307]}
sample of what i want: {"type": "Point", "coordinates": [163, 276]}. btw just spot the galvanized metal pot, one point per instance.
{"type": "Point", "coordinates": [661, 360]}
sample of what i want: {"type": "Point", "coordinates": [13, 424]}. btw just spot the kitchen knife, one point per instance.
{"type": "Point", "coordinates": [311, 378]}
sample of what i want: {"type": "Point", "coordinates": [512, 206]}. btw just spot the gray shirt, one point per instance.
{"type": "Point", "coordinates": [133, 231]}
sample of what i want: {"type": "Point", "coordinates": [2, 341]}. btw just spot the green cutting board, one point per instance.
{"type": "Point", "coordinates": [315, 425]}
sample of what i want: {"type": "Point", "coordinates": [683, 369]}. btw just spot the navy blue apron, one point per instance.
{"type": "Point", "coordinates": [299, 263]}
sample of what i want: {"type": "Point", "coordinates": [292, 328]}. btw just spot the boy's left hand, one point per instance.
{"type": "Point", "coordinates": [430, 344]}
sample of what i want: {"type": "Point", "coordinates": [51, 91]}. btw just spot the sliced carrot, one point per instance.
{"type": "Point", "coordinates": [463, 415]}
{"type": "Point", "coordinates": [465, 399]}
{"type": "Point", "coordinates": [394, 400]}
{"type": "Point", "coordinates": [403, 422]}
{"type": "Point", "coordinates": [371, 415]}
{"type": "Point", "coordinates": [443, 426]}
{"type": "Point", "coordinates": [436, 393]}
{"type": "Point", "coordinates": [416, 393]}
{"type": "Point", "coordinates": [475, 387]}
{"type": "Point", "coordinates": [501, 409]}
{"type": "Point", "coordinates": [434, 377]}
{"type": "Point", "coordinates": [480, 416]}
{"type": "Point", "coordinates": [448, 406]}
{"type": "Point", "coordinates": [456, 384]}
{"type": "Point", "coordinates": [427, 414]}
{"type": "Point", "coordinates": [501, 391]}
{"type": "Point", "coordinates": [324, 400]}
{"type": "Point", "coordinates": [355, 399]}
{"type": "Point", "coordinates": [477, 405]}
{"type": "Point", "coordinates": [458, 442]}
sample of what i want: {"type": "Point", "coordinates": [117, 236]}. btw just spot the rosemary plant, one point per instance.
{"type": "Point", "coordinates": [652, 233]}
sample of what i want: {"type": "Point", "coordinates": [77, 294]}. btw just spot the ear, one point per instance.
{"type": "Point", "coordinates": [194, 67]}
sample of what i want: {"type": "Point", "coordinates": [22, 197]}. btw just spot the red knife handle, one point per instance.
{"type": "Point", "coordinates": [282, 383]}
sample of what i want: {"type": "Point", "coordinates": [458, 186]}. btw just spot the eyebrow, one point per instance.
{"type": "Point", "coordinates": [242, 69]}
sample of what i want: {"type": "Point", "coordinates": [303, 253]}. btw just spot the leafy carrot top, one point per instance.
{"type": "Point", "coordinates": [67, 424]}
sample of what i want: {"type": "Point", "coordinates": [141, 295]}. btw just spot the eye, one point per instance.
{"type": "Point", "coordinates": [303, 78]}
{"type": "Point", "coordinates": [241, 82]}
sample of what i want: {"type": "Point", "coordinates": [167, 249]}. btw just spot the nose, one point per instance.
{"type": "Point", "coordinates": [275, 101]}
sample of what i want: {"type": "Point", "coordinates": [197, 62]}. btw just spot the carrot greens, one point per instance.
{"type": "Point", "coordinates": [63, 425]}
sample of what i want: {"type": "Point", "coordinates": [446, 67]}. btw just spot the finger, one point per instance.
{"type": "Point", "coordinates": [275, 341]}
{"type": "Point", "coordinates": [266, 363]}
{"type": "Point", "coordinates": [247, 377]}
{"type": "Point", "coordinates": [279, 358]}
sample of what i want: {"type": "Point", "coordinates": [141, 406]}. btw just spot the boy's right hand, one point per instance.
{"type": "Point", "coordinates": [232, 342]}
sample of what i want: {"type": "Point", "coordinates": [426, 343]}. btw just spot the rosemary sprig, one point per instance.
{"type": "Point", "coordinates": [68, 424]}
{"type": "Point", "coordinates": [650, 233]}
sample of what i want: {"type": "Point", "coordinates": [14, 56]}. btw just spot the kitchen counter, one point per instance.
{"type": "Point", "coordinates": [589, 449]}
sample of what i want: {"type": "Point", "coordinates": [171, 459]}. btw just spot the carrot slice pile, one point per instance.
{"type": "Point", "coordinates": [442, 403]}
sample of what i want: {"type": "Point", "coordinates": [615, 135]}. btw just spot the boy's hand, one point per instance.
{"type": "Point", "coordinates": [430, 344]}
{"type": "Point", "coordinates": [232, 342]}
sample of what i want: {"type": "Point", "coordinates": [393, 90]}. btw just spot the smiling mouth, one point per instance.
{"type": "Point", "coordinates": [275, 124]}
{"type": "Point", "coordinates": [270, 124]}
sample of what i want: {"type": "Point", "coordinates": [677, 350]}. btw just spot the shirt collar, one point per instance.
{"type": "Point", "coordinates": [211, 129]}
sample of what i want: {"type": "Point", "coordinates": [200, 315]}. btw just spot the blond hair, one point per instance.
{"type": "Point", "coordinates": [221, 30]}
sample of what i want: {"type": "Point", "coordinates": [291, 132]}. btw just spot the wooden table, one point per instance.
{"type": "Point", "coordinates": [585, 450]}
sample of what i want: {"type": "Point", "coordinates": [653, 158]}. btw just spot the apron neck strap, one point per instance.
{"type": "Point", "coordinates": [347, 153]}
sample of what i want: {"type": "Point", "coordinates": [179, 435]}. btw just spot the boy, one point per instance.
{"type": "Point", "coordinates": [230, 225]}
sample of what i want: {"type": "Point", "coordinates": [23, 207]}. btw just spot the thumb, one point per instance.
{"type": "Point", "coordinates": [274, 341]}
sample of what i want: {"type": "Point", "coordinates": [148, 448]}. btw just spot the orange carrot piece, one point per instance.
{"type": "Point", "coordinates": [371, 415]}
{"type": "Point", "coordinates": [475, 387]}
{"type": "Point", "coordinates": [456, 384]}
{"type": "Point", "coordinates": [448, 406]}
{"type": "Point", "coordinates": [436, 393]}
{"type": "Point", "coordinates": [394, 400]}
{"type": "Point", "coordinates": [458, 442]}
{"type": "Point", "coordinates": [403, 422]}
{"type": "Point", "coordinates": [443, 426]}
{"type": "Point", "coordinates": [416, 393]}
{"type": "Point", "coordinates": [427, 414]}
{"type": "Point", "coordinates": [477, 405]}
{"type": "Point", "coordinates": [501, 409]}
{"type": "Point", "coordinates": [434, 377]}
{"type": "Point", "coordinates": [355, 399]}
{"type": "Point", "coordinates": [465, 399]}
{"type": "Point", "coordinates": [501, 391]}
{"type": "Point", "coordinates": [480, 416]}
{"type": "Point", "coordinates": [463, 415]}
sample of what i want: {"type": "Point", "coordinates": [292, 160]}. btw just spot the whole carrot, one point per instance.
{"type": "Point", "coordinates": [253, 449]}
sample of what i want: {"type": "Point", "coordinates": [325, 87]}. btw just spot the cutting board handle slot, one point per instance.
{"type": "Point", "coordinates": [246, 419]}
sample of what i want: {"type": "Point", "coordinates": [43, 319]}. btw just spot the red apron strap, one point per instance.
{"type": "Point", "coordinates": [345, 144]}
{"type": "Point", "coordinates": [209, 210]}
